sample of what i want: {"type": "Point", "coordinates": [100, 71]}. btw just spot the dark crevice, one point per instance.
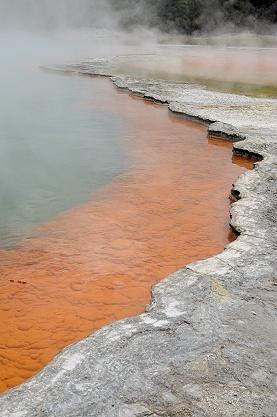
{"type": "Point", "coordinates": [154, 100]}
{"type": "Point", "coordinates": [235, 231]}
{"type": "Point", "coordinates": [188, 116]}
{"type": "Point", "coordinates": [222, 135]}
{"type": "Point", "coordinates": [235, 195]}
{"type": "Point", "coordinates": [253, 156]}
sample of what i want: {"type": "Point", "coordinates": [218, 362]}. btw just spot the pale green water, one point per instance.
{"type": "Point", "coordinates": [55, 149]}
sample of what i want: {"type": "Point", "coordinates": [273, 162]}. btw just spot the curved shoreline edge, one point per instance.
{"type": "Point", "coordinates": [206, 346]}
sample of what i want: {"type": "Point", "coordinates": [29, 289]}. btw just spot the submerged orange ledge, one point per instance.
{"type": "Point", "coordinates": [96, 263]}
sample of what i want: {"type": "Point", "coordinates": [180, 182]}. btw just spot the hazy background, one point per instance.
{"type": "Point", "coordinates": [183, 16]}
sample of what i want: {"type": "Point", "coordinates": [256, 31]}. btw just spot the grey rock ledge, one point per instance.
{"type": "Point", "coordinates": [206, 346]}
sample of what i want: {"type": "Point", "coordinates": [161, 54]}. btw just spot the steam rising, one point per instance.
{"type": "Point", "coordinates": [190, 16]}
{"type": "Point", "coordinates": [52, 14]}
{"type": "Point", "coordinates": [37, 32]}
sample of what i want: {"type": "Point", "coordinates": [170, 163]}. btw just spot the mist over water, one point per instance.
{"type": "Point", "coordinates": [55, 149]}
{"type": "Point", "coordinates": [51, 15]}
{"type": "Point", "coordinates": [190, 16]}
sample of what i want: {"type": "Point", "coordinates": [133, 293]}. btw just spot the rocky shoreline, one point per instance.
{"type": "Point", "coordinates": [206, 346]}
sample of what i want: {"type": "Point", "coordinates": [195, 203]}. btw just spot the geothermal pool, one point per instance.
{"type": "Point", "coordinates": [48, 160]}
{"type": "Point", "coordinates": [123, 193]}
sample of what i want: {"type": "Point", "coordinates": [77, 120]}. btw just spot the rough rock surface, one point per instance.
{"type": "Point", "coordinates": [207, 344]}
